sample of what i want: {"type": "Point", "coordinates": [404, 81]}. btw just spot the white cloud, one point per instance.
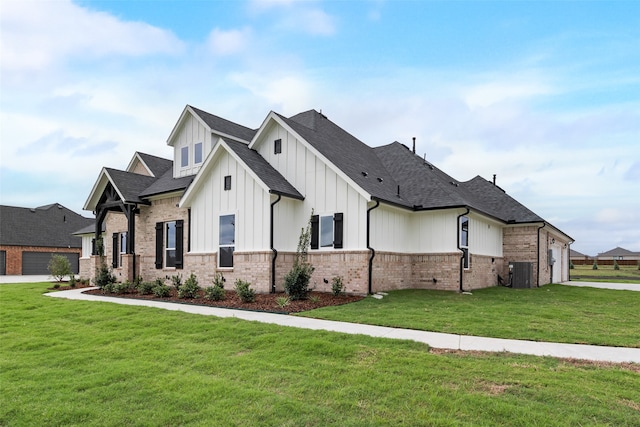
{"type": "Point", "coordinates": [229, 42]}
{"type": "Point", "coordinates": [36, 35]}
{"type": "Point", "coordinates": [298, 16]}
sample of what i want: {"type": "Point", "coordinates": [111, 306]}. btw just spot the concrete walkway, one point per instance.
{"type": "Point", "coordinates": [433, 339]}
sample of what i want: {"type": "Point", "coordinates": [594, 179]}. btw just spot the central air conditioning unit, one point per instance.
{"type": "Point", "coordinates": [521, 274]}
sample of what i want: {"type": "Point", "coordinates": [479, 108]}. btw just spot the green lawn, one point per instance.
{"type": "Point", "coordinates": [551, 313]}
{"type": "Point", "coordinates": [605, 273]}
{"type": "Point", "coordinates": [65, 363]}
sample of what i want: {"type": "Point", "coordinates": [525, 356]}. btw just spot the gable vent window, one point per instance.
{"type": "Point", "coordinates": [197, 153]}
{"type": "Point", "coordinates": [227, 183]}
{"type": "Point", "coordinates": [327, 231]}
{"type": "Point", "coordinates": [184, 157]}
{"type": "Point", "coordinates": [277, 146]}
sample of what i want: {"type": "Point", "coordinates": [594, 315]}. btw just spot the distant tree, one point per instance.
{"type": "Point", "coordinates": [59, 267]}
{"type": "Point", "coordinates": [615, 265]}
{"type": "Point", "coordinates": [595, 265]}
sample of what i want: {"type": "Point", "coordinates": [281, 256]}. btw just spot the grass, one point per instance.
{"type": "Point", "coordinates": [606, 273]}
{"type": "Point", "coordinates": [554, 313]}
{"type": "Point", "coordinates": [66, 363]}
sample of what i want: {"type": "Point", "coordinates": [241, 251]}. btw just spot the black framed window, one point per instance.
{"type": "Point", "coordinates": [327, 231]}
{"type": "Point", "coordinates": [464, 240]}
{"type": "Point", "coordinates": [227, 183]}
{"type": "Point", "coordinates": [169, 244]}
{"type": "Point", "coordinates": [277, 146]}
{"type": "Point", "coordinates": [227, 240]}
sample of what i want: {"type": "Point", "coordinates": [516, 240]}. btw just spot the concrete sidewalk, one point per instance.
{"type": "Point", "coordinates": [433, 339]}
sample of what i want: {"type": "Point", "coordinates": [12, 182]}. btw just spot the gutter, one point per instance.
{"type": "Point", "coordinates": [273, 249]}
{"type": "Point", "coordinates": [544, 224]}
{"type": "Point", "coordinates": [373, 251]}
{"type": "Point", "coordinates": [459, 248]}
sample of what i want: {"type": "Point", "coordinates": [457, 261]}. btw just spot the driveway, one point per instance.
{"type": "Point", "coordinates": [606, 285]}
{"type": "Point", "coordinates": [25, 279]}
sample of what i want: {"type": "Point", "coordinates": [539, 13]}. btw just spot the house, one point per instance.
{"type": "Point", "coordinates": [29, 237]}
{"type": "Point", "coordinates": [618, 254]}
{"type": "Point", "coordinates": [579, 258]}
{"type": "Point", "coordinates": [234, 200]}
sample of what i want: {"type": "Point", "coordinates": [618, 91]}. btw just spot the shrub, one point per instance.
{"type": "Point", "coordinates": [595, 265]}
{"type": "Point", "coordinates": [296, 282]}
{"type": "Point", "coordinates": [59, 267]}
{"type": "Point", "coordinates": [72, 280]}
{"type": "Point", "coordinates": [282, 302]}
{"type": "Point", "coordinates": [244, 291]}
{"type": "Point", "coordinates": [337, 286]}
{"type": "Point", "coordinates": [146, 288]}
{"type": "Point", "coordinates": [104, 277]}
{"type": "Point", "coordinates": [161, 290]}
{"type": "Point", "coordinates": [615, 265]}
{"type": "Point", "coordinates": [314, 299]}
{"type": "Point", "coordinates": [176, 281]}
{"type": "Point", "coordinates": [190, 287]}
{"type": "Point", "coordinates": [218, 280]}
{"type": "Point", "coordinates": [214, 293]}
{"type": "Point", "coordinates": [122, 288]}
{"type": "Point", "coordinates": [109, 288]}
{"type": "Point", "coordinates": [571, 266]}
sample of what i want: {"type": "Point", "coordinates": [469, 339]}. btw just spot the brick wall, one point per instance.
{"type": "Point", "coordinates": [520, 244]}
{"type": "Point", "coordinates": [14, 255]}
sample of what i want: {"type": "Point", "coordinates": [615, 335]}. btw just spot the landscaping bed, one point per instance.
{"type": "Point", "coordinates": [273, 303]}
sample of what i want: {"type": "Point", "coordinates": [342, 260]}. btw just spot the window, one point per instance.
{"type": "Point", "coordinates": [227, 240]}
{"type": "Point", "coordinates": [123, 245]}
{"type": "Point", "coordinates": [277, 146]}
{"type": "Point", "coordinates": [326, 231]}
{"type": "Point", "coordinates": [227, 183]}
{"type": "Point", "coordinates": [169, 244]}
{"type": "Point", "coordinates": [184, 157]}
{"type": "Point", "coordinates": [464, 240]}
{"type": "Point", "coordinates": [197, 153]}
{"type": "Point", "coordinates": [119, 247]}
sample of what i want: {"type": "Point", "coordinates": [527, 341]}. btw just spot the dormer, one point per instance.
{"type": "Point", "coordinates": [194, 136]}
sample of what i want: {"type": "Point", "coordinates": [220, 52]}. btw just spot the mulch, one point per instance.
{"type": "Point", "coordinates": [263, 302]}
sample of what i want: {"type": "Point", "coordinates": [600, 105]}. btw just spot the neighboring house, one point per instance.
{"type": "Point", "coordinates": [29, 237]}
{"type": "Point", "coordinates": [234, 200]}
{"type": "Point", "coordinates": [619, 254]}
{"type": "Point", "coordinates": [579, 258]}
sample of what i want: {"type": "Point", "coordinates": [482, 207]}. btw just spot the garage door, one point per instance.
{"type": "Point", "coordinates": [38, 262]}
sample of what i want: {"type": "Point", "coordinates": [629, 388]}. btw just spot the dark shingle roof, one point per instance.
{"type": "Point", "coordinates": [225, 126]}
{"type": "Point", "coordinates": [158, 165]}
{"type": "Point", "coordinates": [268, 174]}
{"type": "Point", "coordinates": [129, 184]}
{"type": "Point", "coordinates": [167, 184]}
{"type": "Point", "coordinates": [46, 226]}
{"type": "Point", "coordinates": [353, 157]}
{"type": "Point", "coordinates": [427, 187]}
{"type": "Point", "coordinates": [618, 251]}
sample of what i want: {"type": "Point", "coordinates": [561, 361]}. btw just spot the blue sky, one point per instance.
{"type": "Point", "coordinates": [546, 95]}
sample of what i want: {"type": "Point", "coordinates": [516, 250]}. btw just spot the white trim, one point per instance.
{"type": "Point", "coordinates": [272, 116]}
{"type": "Point", "coordinates": [207, 167]}
{"type": "Point", "coordinates": [136, 156]}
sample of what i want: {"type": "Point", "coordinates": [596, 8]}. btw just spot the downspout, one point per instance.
{"type": "Point", "coordinates": [273, 249]}
{"type": "Point", "coordinates": [460, 249]}
{"type": "Point", "coordinates": [544, 224]}
{"type": "Point", "coordinates": [373, 251]}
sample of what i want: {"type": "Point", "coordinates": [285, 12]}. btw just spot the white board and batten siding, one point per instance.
{"type": "Point", "coordinates": [398, 230]}
{"type": "Point", "coordinates": [485, 236]}
{"type": "Point", "coordinates": [246, 199]}
{"type": "Point", "coordinates": [324, 191]}
{"type": "Point", "coordinates": [191, 132]}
